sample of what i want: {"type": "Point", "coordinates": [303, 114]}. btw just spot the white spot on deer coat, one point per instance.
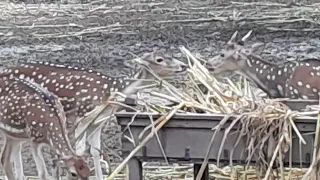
{"type": "Point", "coordinates": [84, 90]}
{"type": "Point", "coordinates": [268, 77]}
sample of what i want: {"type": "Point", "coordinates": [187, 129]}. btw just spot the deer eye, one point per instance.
{"type": "Point", "coordinates": [222, 55]}
{"type": "Point", "coordinates": [159, 60]}
{"type": "Point", "coordinates": [73, 174]}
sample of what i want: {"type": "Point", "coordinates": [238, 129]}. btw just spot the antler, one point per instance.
{"type": "Point", "coordinates": [245, 37]}
{"type": "Point", "coordinates": [232, 39]}
{"type": "Point", "coordinates": [241, 42]}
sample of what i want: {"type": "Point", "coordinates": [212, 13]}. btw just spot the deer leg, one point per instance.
{"type": "Point", "coordinates": [5, 157]}
{"type": "Point", "coordinates": [81, 144]}
{"type": "Point", "coordinates": [18, 162]}
{"type": "Point", "coordinates": [104, 159]}
{"type": "Point", "coordinates": [95, 146]}
{"type": "Point", "coordinates": [39, 161]}
{"type": "Point", "coordinates": [55, 171]}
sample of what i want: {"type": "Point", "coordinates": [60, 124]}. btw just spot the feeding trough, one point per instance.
{"type": "Point", "coordinates": [186, 137]}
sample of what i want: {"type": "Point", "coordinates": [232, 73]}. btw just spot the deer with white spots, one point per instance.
{"type": "Point", "coordinates": [297, 79]}
{"type": "Point", "coordinates": [30, 113]}
{"type": "Point", "coordinates": [81, 90]}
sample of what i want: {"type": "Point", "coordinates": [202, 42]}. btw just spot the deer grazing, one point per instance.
{"type": "Point", "coordinates": [31, 113]}
{"type": "Point", "coordinates": [298, 79]}
{"type": "Point", "coordinates": [81, 90]}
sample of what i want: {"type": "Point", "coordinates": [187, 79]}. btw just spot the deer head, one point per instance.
{"type": "Point", "coordinates": [76, 166]}
{"type": "Point", "coordinates": [160, 64]}
{"type": "Point", "coordinates": [268, 76]}
{"type": "Point", "coordinates": [234, 58]}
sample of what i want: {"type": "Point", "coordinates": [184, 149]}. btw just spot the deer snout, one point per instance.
{"type": "Point", "coordinates": [179, 66]}
{"type": "Point", "coordinates": [213, 64]}
{"type": "Point", "coordinates": [181, 69]}
{"type": "Point", "coordinates": [210, 68]}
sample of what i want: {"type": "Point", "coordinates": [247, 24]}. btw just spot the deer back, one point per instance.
{"type": "Point", "coordinates": [78, 89]}
{"type": "Point", "coordinates": [305, 80]}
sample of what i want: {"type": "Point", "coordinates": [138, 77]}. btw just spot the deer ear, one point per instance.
{"type": "Point", "coordinates": [148, 56]}
{"type": "Point", "coordinates": [233, 38]}
{"type": "Point", "coordinates": [257, 48]}
{"type": "Point", "coordinates": [144, 59]}
{"type": "Point", "coordinates": [129, 63]}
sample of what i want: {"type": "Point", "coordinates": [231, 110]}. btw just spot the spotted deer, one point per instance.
{"type": "Point", "coordinates": [293, 79]}
{"type": "Point", "coordinates": [30, 113]}
{"type": "Point", "coordinates": [81, 90]}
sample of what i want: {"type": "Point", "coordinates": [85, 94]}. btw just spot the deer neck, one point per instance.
{"type": "Point", "coordinates": [268, 76]}
{"type": "Point", "coordinates": [135, 79]}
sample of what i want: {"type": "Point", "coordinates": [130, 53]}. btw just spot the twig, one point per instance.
{"type": "Point", "coordinates": [273, 158]}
